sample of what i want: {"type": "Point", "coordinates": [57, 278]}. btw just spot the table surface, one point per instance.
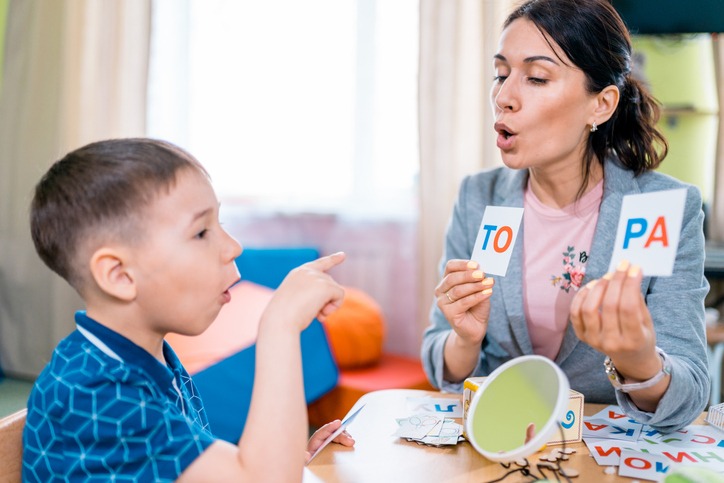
{"type": "Point", "coordinates": [378, 455]}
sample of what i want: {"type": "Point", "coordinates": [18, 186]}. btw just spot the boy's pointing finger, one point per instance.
{"type": "Point", "coordinates": [328, 262]}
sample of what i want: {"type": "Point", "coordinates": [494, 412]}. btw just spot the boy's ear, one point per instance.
{"type": "Point", "coordinates": [606, 103]}
{"type": "Point", "coordinates": [111, 274]}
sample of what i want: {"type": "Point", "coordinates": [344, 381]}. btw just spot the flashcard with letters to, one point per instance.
{"type": "Point", "coordinates": [648, 231]}
{"type": "Point", "coordinates": [496, 238]}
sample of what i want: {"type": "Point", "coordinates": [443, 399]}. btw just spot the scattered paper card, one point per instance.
{"type": "Point", "coordinates": [429, 429]}
{"type": "Point", "coordinates": [602, 428]}
{"type": "Point", "coordinates": [648, 231]}
{"type": "Point", "coordinates": [606, 452]}
{"type": "Point", "coordinates": [417, 426]}
{"type": "Point", "coordinates": [653, 453]}
{"type": "Point", "coordinates": [496, 238]}
{"type": "Point", "coordinates": [447, 407]}
{"type": "Point", "coordinates": [653, 467]}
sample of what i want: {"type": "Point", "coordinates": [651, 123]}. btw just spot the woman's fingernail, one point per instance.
{"type": "Point", "coordinates": [634, 271]}
{"type": "Point", "coordinates": [608, 276]}
{"type": "Point", "coordinates": [487, 291]}
{"type": "Point", "coordinates": [477, 274]}
{"type": "Point", "coordinates": [622, 266]}
{"type": "Point", "coordinates": [591, 284]}
{"type": "Point", "coordinates": [472, 265]}
{"type": "Point", "coordinates": [488, 281]}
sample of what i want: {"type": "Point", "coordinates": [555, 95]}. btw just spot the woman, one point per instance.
{"type": "Point", "coordinates": [576, 132]}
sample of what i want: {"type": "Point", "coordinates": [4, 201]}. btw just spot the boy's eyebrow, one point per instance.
{"type": "Point", "coordinates": [528, 60]}
{"type": "Point", "coordinates": [200, 214]}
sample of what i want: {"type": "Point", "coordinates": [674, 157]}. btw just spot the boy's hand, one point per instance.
{"type": "Point", "coordinates": [323, 433]}
{"type": "Point", "coordinates": [308, 292]}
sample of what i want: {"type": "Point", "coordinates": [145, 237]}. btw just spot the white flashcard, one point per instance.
{"type": "Point", "coordinates": [496, 238]}
{"type": "Point", "coordinates": [648, 231]}
{"type": "Point", "coordinates": [606, 452]}
{"type": "Point", "coordinates": [336, 433]}
{"type": "Point", "coordinates": [418, 426]}
{"type": "Point", "coordinates": [697, 437]}
{"type": "Point", "coordinates": [602, 428]}
{"type": "Point", "coordinates": [611, 412]}
{"type": "Point", "coordinates": [447, 407]}
{"type": "Point", "coordinates": [653, 453]}
{"type": "Point", "coordinates": [643, 466]}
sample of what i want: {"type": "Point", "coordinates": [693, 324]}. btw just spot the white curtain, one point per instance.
{"type": "Point", "coordinates": [716, 225]}
{"type": "Point", "coordinates": [458, 39]}
{"type": "Point", "coordinates": [74, 72]}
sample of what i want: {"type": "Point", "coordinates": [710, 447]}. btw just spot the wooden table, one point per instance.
{"type": "Point", "coordinates": [378, 456]}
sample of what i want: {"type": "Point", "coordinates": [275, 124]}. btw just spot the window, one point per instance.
{"type": "Point", "coordinates": [301, 106]}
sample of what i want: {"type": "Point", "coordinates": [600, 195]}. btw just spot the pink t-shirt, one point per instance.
{"type": "Point", "coordinates": [556, 245]}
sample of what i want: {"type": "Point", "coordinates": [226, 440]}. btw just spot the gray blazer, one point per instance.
{"type": "Point", "coordinates": [676, 303]}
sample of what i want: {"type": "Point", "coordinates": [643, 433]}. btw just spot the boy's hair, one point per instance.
{"type": "Point", "coordinates": [97, 193]}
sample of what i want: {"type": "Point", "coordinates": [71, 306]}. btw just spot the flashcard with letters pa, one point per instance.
{"type": "Point", "coordinates": [496, 238]}
{"type": "Point", "coordinates": [648, 231]}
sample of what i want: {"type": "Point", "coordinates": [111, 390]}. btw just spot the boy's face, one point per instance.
{"type": "Point", "coordinates": [184, 266]}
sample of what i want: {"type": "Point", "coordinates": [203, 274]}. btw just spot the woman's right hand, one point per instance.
{"type": "Point", "coordinates": [463, 296]}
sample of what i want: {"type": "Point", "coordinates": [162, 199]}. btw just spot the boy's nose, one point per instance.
{"type": "Point", "coordinates": [233, 248]}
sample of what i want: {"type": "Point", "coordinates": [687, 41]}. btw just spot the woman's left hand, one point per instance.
{"type": "Point", "coordinates": [610, 315]}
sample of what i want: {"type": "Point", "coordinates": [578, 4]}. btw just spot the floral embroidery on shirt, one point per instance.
{"type": "Point", "coordinates": [573, 274]}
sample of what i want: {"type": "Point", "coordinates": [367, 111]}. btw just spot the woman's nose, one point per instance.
{"type": "Point", "coordinates": [504, 97]}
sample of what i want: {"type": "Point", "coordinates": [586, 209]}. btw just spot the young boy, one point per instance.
{"type": "Point", "coordinates": [132, 225]}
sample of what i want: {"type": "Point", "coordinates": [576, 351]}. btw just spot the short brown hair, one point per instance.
{"type": "Point", "coordinates": [98, 192]}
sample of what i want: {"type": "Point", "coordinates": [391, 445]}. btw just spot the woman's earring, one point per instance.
{"type": "Point", "coordinates": [594, 127]}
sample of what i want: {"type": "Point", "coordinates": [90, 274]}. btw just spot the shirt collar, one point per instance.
{"type": "Point", "coordinates": [118, 347]}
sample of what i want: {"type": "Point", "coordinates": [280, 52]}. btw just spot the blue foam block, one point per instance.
{"type": "Point", "coordinates": [226, 386]}
{"type": "Point", "coordinates": [269, 266]}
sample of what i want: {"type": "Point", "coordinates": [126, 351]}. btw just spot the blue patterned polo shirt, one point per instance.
{"type": "Point", "coordinates": [104, 409]}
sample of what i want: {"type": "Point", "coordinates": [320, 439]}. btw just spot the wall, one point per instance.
{"type": "Point", "coordinates": [681, 73]}
{"type": "Point", "coordinates": [381, 260]}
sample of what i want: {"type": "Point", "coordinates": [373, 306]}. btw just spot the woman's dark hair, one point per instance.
{"type": "Point", "coordinates": [595, 39]}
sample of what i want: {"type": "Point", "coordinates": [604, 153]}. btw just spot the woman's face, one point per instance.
{"type": "Point", "coordinates": [543, 113]}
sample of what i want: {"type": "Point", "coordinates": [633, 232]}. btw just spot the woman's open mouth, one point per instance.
{"type": "Point", "coordinates": [504, 130]}
{"type": "Point", "coordinates": [506, 136]}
